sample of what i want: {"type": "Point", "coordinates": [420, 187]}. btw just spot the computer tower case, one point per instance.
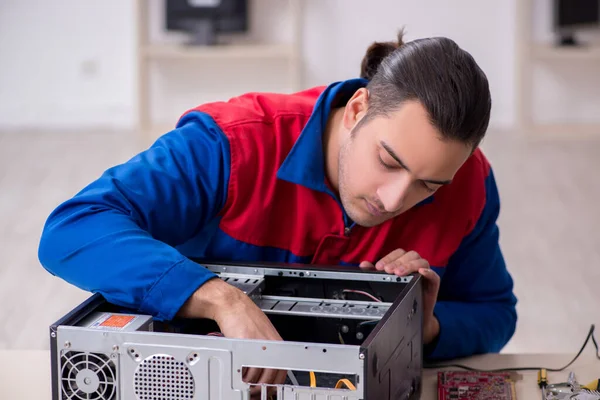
{"type": "Point", "coordinates": [347, 335]}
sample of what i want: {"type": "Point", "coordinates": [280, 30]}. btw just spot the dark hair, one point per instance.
{"type": "Point", "coordinates": [444, 78]}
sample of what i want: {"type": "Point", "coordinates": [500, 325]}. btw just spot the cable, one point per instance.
{"type": "Point", "coordinates": [313, 379]}
{"type": "Point", "coordinates": [369, 295]}
{"type": "Point", "coordinates": [345, 382]}
{"type": "Point", "coordinates": [292, 377]}
{"type": "Point", "coordinates": [368, 323]}
{"type": "Point", "coordinates": [590, 335]}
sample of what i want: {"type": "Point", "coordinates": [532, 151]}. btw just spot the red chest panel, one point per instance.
{"type": "Point", "coordinates": [263, 210]}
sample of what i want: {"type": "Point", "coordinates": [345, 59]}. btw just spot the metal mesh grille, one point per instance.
{"type": "Point", "coordinates": [87, 376]}
{"type": "Point", "coordinates": [163, 377]}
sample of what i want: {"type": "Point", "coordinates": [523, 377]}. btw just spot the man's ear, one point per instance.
{"type": "Point", "coordinates": [356, 108]}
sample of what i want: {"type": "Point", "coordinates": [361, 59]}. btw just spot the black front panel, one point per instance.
{"type": "Point", "coordinates": [393, 351]}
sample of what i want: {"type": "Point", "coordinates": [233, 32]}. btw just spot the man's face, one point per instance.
{"type": "Point", "coordinates": [389, 164]}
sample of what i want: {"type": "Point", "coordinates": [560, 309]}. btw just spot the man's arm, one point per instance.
{"type": "Point", "coordinates": [118, 235]}
{"type": "Point", "coordinates": [476, 305]}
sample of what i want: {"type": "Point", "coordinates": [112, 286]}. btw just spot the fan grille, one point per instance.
{"type": "Point", "coordinates": [87, 376]}
{"type": "Point", "coordinates": [163, 377]}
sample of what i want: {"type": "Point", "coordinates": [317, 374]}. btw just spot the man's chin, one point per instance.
{"type": "Point", "coordinates": [367, 221]}
{"type": "Point", "coordinates": [370, 223]}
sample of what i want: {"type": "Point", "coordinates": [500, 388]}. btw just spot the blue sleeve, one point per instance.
{"type": "Point", "coordinates": [118, 235]}
{"type": "Point", "coordinates": [476, 305]}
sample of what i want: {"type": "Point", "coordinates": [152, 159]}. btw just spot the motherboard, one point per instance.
{"type": "Point", "coordinates": [474, 385]}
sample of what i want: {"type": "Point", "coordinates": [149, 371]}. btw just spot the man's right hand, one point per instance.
{"type": "Point", "coordinates": [238, 317]}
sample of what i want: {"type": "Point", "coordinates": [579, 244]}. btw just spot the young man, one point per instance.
{"type": "Point", "coordinates": [382, 172]}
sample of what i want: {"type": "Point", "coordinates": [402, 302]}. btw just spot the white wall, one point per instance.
{"type": "Point", "coordinates": [71, 63]}
{"type": "Point", "coordinates": [66, 63]}
{"type": "Point", "coordinates": [345, 29]}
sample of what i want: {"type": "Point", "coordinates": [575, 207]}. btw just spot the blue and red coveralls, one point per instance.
{"type": "Point", "coordinates": [244, 180]}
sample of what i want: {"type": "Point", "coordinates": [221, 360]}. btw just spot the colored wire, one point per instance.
{"type": "Point", "coordinates": [369, 295]}
{"type": "Point", "coordinates": [345, 382]}
{"type": "Point", "coordinates": [313, 379]}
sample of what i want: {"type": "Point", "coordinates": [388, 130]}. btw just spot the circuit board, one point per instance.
{"type": "Point", "coordinates": [473, 385]}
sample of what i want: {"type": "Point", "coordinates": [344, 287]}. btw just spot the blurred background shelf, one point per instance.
{"type": "Point", "coordinates": [227, 52]}
{"type": "Point", "coordinates": [572, 43]}
{"type": "Point", "coordinates": [227, 43]}
{"type": "Point", "coordinates": [549, 52]}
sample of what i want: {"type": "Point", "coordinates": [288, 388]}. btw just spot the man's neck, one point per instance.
{"type": "Point", "coordinates": [331, 147]}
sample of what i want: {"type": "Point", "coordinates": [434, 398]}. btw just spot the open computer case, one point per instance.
{"type": "Point", "coordinates": [347, 335]}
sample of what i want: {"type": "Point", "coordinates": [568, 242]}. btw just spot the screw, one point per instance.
{"type": "Point", "coordinates": [359, 335]}
{"type": "Point", "coordinates": [345, 329]}
{"type": "Point", "coordinates": [53, 334]}
{"type": "Point", "coordinates": [67, 344]}
{"type": "Point", "coordinates": [255, 270]}
{"type": "Point", "coordinates": [361, 356]}
{"type": "Point", "coordinates": [87, 381]}
{"type": "Point", "coordinates": [115, 348]}
{"type": "Point", "coordinates": [224, 268]}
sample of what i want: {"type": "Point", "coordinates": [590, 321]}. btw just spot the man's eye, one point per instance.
{"type": "Point", "coordinates": [428, 188]}
{"type": "Point", "coordinates": [384, 164]}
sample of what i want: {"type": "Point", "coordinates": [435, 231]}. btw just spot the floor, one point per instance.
{"type": "Point", "coordinates": [550, 226]}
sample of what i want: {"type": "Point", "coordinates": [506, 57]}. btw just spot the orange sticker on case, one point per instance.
{"type": "Point", "coordinates": [117, 321]}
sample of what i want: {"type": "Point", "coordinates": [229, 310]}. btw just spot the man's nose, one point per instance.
{"type": "Point", "coordinates": [393, 194]}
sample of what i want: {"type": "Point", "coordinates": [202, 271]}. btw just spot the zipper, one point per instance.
{"type": "Point", "coordinates": [348, 229]}
{"type": "Point", "coordinates": [345, 219]}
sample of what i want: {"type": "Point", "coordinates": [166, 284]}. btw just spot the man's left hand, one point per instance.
{"type": "Point", "coordinates": [400, 263]}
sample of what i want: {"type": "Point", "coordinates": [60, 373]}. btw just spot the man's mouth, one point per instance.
{"type": "Point", "coordinates": [373, 210]}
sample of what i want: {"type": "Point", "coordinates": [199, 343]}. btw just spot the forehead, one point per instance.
{"type": "Point", "coordinates": [411, 135]}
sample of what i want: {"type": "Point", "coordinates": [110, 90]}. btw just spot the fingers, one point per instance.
{"type": "Point", "coordinates": [251, 375]}
{"type": "Point", "coordinates": [269, 377]}
{"type": "Point", "coordinates": [281, 376]}
{"type": "Point", "coordinates": [273, 377]}
{"type": "Point", "coordinates": [408, 267]}
{"type": "Point", "coordinates": [410, 256]}
{"type": "Point", "coordinates": [432, 278]}
{"type": "Point", "coordinates": [393, 256]}
{"type": "Point", "coordinates": [366, 266]}
{"type": "Point", "coordinates": [399, 262]}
